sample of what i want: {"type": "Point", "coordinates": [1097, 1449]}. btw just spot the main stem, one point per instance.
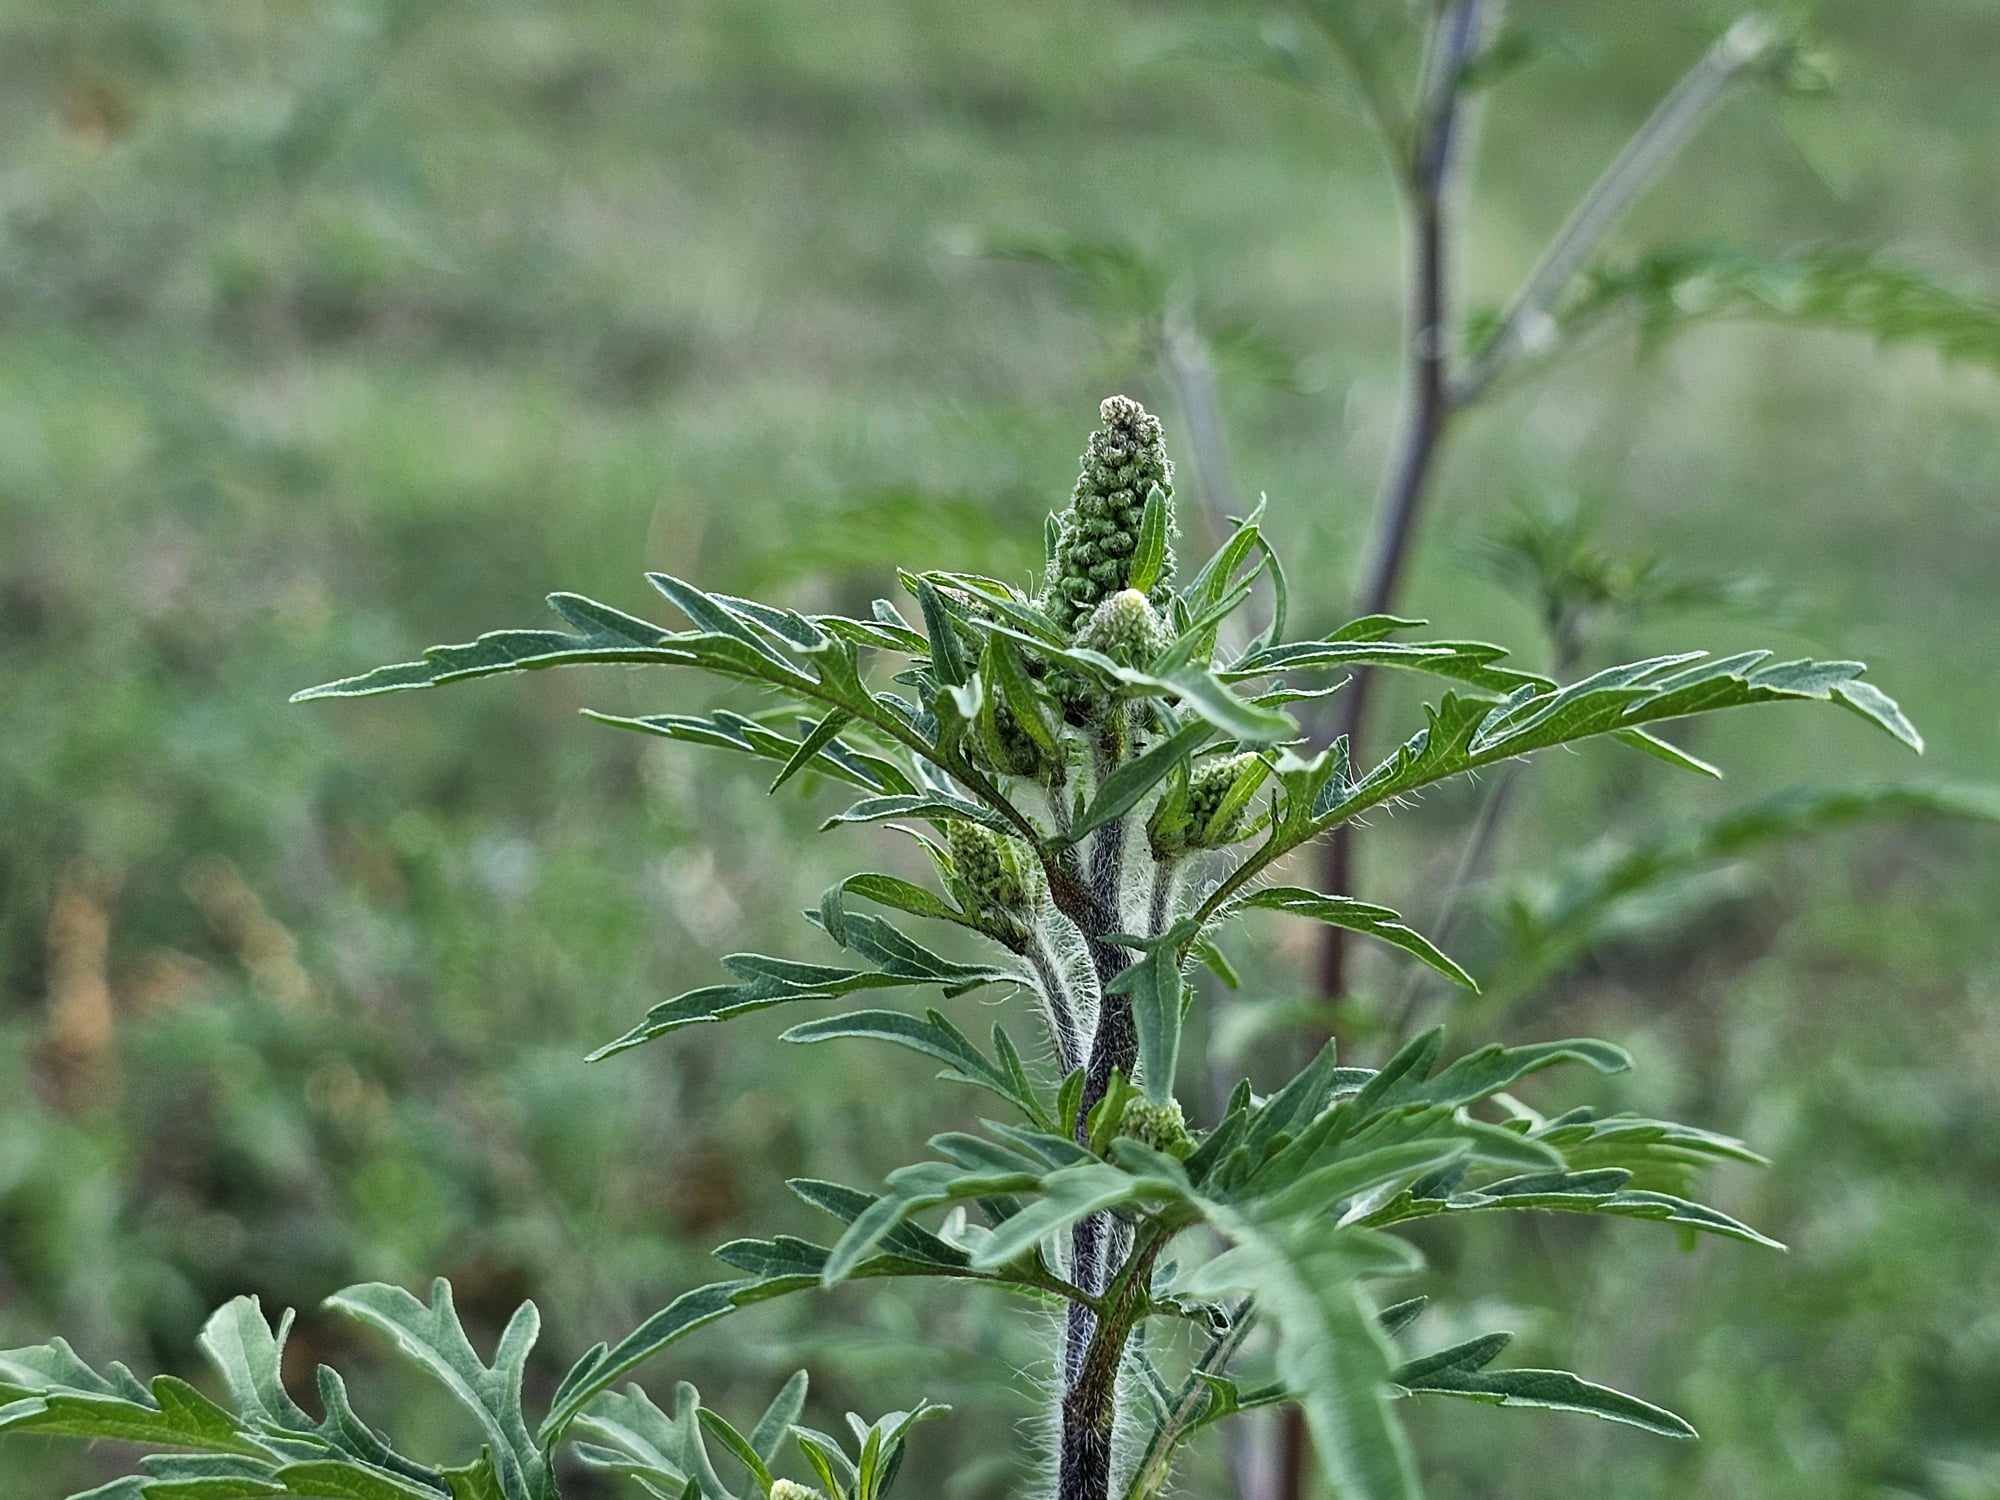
{"type": "Point", "coordinates": [1092, 1346]}
{"type": "Point", "coordinates": [1090, 1395]}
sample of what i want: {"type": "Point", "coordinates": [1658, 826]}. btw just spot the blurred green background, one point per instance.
{"type": "Point", "coordinates": [331, 330]}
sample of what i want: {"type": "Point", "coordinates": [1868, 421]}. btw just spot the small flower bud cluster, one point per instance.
{"type": "Point", "coordinates": [1125, 629]}
{"type": "Point", "coordinates": [989, 870]}
{"type": "Point", "coordinates": [791, 1489]}
{"type": "Point", "coordinates": [1082, 700]}
{"type": "Point", "coordinates": [1124, 459]}
{"type": "Point", "coordinates": [1016, 754]}
{"type": "Point", "coordinates": [1161, 1126]}
{"type": "Point", "coordinates": [1208, 784]}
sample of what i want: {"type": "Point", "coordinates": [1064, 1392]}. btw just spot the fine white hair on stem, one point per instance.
{"type": "Point", "coordinates": [1066, 984]}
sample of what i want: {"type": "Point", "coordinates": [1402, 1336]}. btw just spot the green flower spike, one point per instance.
{"type": "Point", "coordinates": [1123, 462]}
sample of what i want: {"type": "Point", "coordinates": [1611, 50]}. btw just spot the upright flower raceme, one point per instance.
{"type": "Point", "coordinates": [1123, 461]}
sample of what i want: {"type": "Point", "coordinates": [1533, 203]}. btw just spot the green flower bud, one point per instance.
{"type": "Point", "coordinates": [1161, 1126]}
{"type": "Point", "coordinates": [1082, 700]}
{"type": "Point", "coordinates": [996, 871]}
{"type": "Point", "coordinates": [1122, 462]}
{"type": "Point", "coordinates": [1208, 784]}
{"type": "Point", "coordinates": [1016, 754]}
{"type": "Point", "coordinates": [791, 1489]}
{"type": "Point", "coordinates": [1125, 629]}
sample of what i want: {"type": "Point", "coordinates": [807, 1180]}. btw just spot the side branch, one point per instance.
{"type": "Point", "coordinates": [1525, 325]}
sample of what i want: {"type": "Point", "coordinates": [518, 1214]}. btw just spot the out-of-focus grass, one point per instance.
{"type": "Point", "coordinates": [333, 330]}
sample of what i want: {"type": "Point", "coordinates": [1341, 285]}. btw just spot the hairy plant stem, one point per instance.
{"type": "Point", "coordinates": [1113, 1045]}
{"type": "Point", "coordinates": [1084, 1465]}
{"type": "Point", "coordinates": [1094, 1343]}
{"type": "Point", "coordinates": [1090, 1392]}
{"type": "Point", "coordinates": [1062, 1009]}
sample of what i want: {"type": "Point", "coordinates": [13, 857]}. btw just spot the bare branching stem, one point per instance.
{"type": "Point", "coordinates": [1527, 324]}
{"type": "Point", "coordinates": [1436, 394]}
{"type": "Point", "coordinates": [1456, 37]}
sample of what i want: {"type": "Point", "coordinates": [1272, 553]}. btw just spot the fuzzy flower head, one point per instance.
{"type": "Point", "coordinates": [1124, 459]}
{"type": "Point", "coordinates": [791, 1489]}
{"type": "Point", "coordinates": [1125, 628]}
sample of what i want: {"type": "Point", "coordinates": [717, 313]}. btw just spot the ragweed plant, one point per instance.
{"type": "Point", "coordinates": [1101, 787]}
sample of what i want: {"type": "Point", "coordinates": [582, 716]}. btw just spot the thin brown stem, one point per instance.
{"type": "Point", "coordinates": [1457, 33]}
{"type": "Point", "coordinates": [1428, 407]}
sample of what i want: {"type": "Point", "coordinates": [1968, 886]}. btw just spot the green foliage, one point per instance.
{"type": "Point", "coordinates": [262, 1443]}
{"type": "Point", "coordinates": [1655, 885]}
{"type": "Point", "coordinates": [431, 1335]}
{"type": "Point", "coordinates": [997, 749]}
{"type": "Point", "coordinates": [1132, 756]}
{"type": "Point", "coordinates": [1461, 1371]}
{"type": "Point", "coordinates": [1330, 1350]}
{"type": "Point", "coordinates": [1357, 916]}
{"type": "Point", "coordinates": [1841, 290]}
{"type": "Point", "coordinates": [1143, 756]}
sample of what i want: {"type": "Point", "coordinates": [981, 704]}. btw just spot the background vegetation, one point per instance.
{"type": "Point", "coordinates": [330, 330]}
